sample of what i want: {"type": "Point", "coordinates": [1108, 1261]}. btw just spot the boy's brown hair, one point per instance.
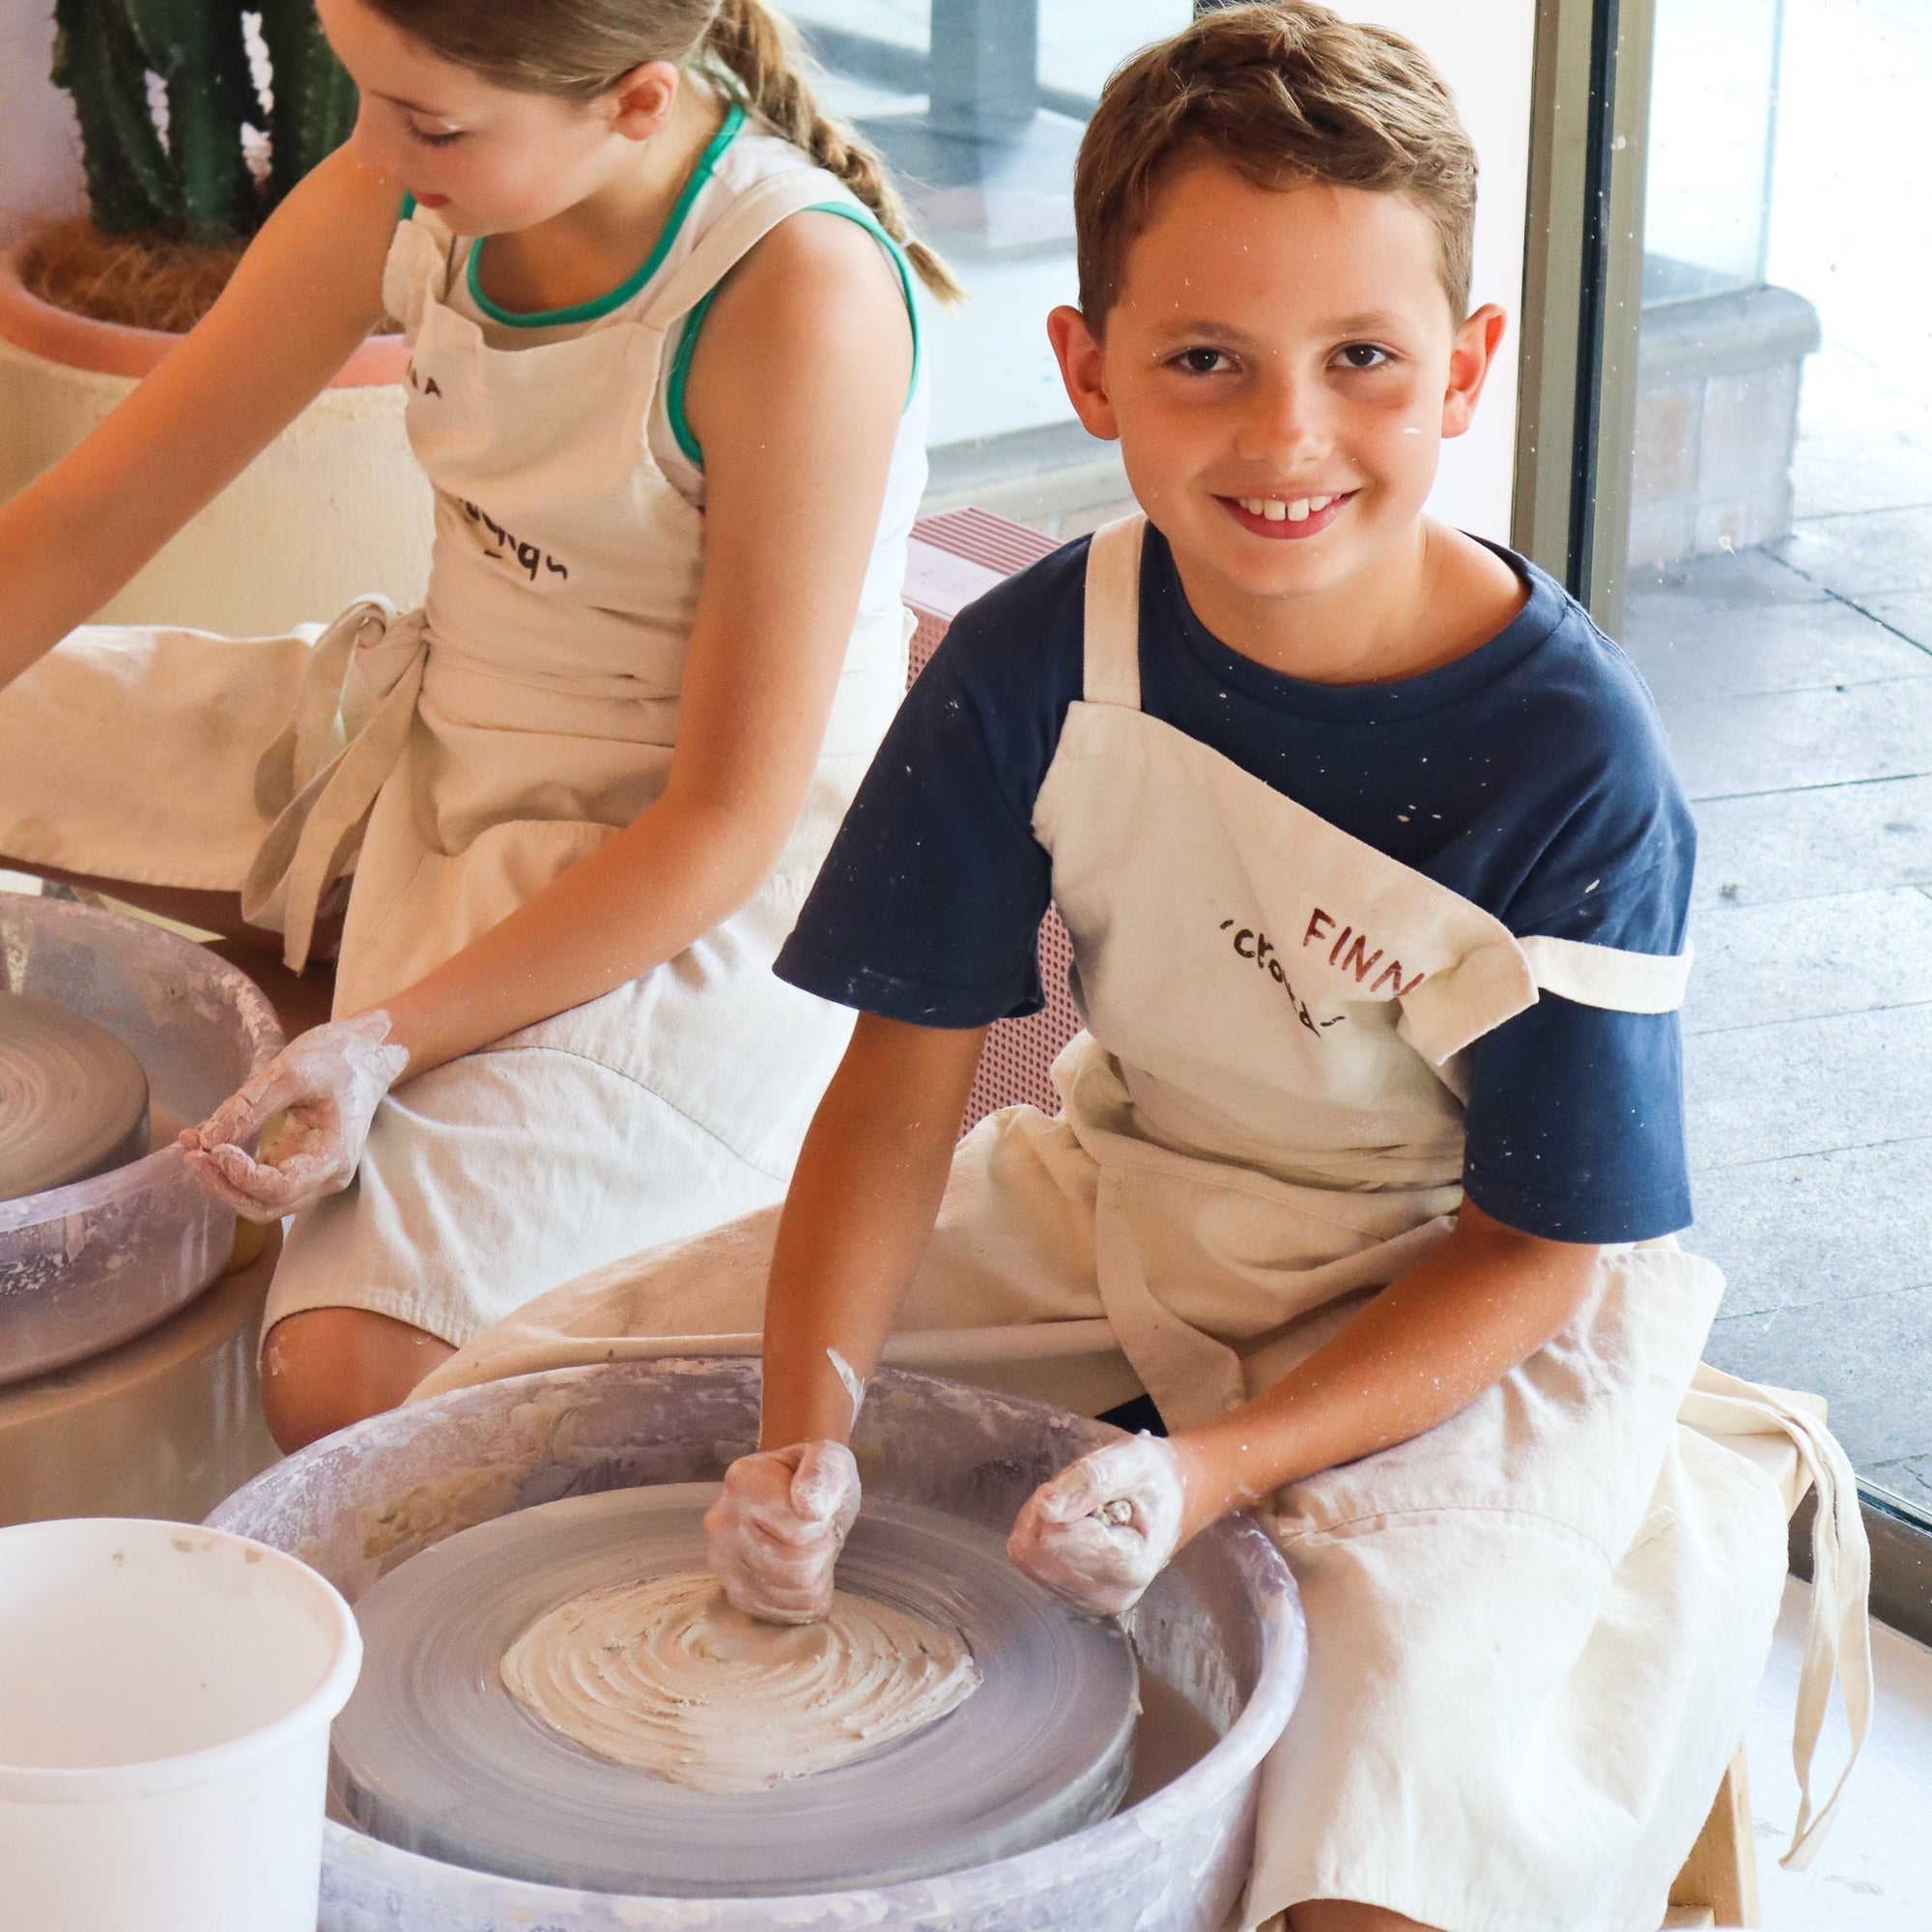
{"type": "Point", "coordinates": [1282, 92]}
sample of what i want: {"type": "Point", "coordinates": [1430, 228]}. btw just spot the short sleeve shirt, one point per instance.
{"type": "Point", "coordinates": [1530, 776]}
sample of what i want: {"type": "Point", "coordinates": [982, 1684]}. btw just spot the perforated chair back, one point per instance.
{"type": "Point", "coordinates": [954, 557]}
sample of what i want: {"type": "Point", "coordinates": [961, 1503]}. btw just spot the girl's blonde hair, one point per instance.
{"type": "Point", "coordinates": [578, 48]}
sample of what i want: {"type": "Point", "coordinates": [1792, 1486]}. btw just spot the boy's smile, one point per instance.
{"type": "Point", "coordinates": [1288, 515]}
{"type": "Point", "coordinates": [1280, 369]}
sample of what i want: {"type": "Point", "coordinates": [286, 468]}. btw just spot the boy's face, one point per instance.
{"type": "Point", "coordinates": [1280, 369]}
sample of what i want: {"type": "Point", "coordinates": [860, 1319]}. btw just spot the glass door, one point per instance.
{"type": "Point", "coordinates": [1779, 603]}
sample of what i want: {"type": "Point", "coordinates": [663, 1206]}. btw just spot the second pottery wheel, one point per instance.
{"type": "Point", "coordinates": [74, 1102]}
{"type": "Point", "coordinates": [434, 1754]}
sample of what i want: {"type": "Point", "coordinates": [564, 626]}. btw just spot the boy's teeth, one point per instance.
{"type": "Point", "coordinates": [1277, 509]}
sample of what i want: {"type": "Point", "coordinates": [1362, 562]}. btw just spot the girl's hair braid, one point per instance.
{"type": "Point", "coordinates": [761, 53]}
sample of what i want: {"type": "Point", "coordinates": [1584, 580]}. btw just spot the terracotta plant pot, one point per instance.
{"type": "Point", "coordinates": [334, 507]}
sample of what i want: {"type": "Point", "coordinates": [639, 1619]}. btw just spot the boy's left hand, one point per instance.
{"type": "Point", "coordinates": [1102, 1529]}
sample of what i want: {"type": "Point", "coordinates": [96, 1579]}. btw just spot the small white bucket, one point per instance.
{"type": "Point", "coordinates": [165, 1697]}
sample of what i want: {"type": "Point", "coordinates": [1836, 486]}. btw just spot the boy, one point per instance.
{"type": "Point", "coordinates": [1377, 875]}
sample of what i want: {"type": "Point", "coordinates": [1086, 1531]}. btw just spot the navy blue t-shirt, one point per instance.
{"type": "Point", "coordinates": [1529, 776]}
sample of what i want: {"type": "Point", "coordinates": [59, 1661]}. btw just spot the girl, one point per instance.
{"type": "Point", "coordinates": [664, 381]}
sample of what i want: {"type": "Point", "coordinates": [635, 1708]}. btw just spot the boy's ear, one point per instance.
{"type": "Point", "coordinates": [1082, 370]}
{"type": "Point", "coordinates": [1469, 360]}
{"type": "Point", "coordinates": [639, 101]}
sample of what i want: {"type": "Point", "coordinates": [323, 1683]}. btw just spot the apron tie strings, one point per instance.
{"type": "Point", "coordinates": [320, 777]}
{"type": "Point", "coordinates": [1838, 1643]}
{"type": "Point", "coordinates": [1192, 1377]}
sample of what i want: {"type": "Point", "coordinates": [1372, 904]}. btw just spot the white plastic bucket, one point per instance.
{"type": "Point", "coordinates": [165, 1697]}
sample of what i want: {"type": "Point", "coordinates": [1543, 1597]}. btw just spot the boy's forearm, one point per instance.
{"type": "Point", "coordinates": [1426, 1347]}
{"type": "Point", "coordinates": [858, 1217]}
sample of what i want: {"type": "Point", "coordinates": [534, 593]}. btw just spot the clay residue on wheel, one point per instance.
{"type": "Point", "coordinates": [470, 1492]}
{"type": "Point", "coordinates": [663, 1674]}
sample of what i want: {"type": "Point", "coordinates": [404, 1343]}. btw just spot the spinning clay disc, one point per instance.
{"type": "Point", "coordinates": [434, 1754]}
{"type": "Point", "coordinates": [74, 1102]}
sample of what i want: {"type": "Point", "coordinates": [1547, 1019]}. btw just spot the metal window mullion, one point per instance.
{"type": "Point", "coordinates": [1582, 294]}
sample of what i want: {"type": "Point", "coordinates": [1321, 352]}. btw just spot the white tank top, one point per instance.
{"type": "Point", "coordinates": [738, 156]}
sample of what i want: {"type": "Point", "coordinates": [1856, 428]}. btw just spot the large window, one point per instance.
{"type": "Point", "coordinates": [978, 108]}
{"type": "Point", "coordinates": [1781, 605]}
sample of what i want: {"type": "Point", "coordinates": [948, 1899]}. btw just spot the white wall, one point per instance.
{"type": "Point", "coordinates": [40, 143]}
{"type": "Point", "coordinates": [1485, 50]}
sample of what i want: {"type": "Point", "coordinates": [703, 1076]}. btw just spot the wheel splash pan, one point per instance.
{"type": "Point", "coordinates": [1222, 1627]}
{"type": "Point", "coordinates": [88, 1266]}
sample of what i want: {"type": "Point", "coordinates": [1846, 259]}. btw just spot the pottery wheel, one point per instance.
{"type": "Point", "coordinates": [74, 1102]}
{"type": "Point", "coordinates": [435, 1756]}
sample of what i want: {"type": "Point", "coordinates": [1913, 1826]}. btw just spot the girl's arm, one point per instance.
{"type": "Point", "coordinates": [795, 396]}
{"type": "Point", "coordinates": [306, 292]}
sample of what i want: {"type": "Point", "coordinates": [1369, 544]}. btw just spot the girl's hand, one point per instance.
{"type": "Point", "coordinates": [775, 1535]}
{"type": "Point", "coordinates": [1103, 1530]}
{"type": "Point", "coordinates": [328, 1082]}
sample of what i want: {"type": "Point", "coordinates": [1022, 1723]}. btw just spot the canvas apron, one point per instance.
{"type": "Point", "coordinates": [457, 758]}
{"type": "Point", "coordinates": [1536, 1630]}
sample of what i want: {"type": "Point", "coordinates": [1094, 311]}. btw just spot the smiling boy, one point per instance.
{"type": "Point", "coordinates": [1377, 875]}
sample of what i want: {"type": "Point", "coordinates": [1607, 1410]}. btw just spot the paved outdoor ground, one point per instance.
{"type": "Point", "coordinates": [1799, 702]}
{"type": "Point", "coordinates": [1796, 683]}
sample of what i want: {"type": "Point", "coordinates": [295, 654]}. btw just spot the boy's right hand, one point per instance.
{"type": "Point", "coordinates": [775, 1535]}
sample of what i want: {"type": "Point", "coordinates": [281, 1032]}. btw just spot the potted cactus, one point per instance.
{"type": "Point", "coordinates": [197, 178]}
{"type": "Point", "coordinates": [194, 120]}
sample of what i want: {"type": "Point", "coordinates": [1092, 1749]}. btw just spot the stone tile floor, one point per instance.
{"type": "Point", "coordinates": [1796, 684]}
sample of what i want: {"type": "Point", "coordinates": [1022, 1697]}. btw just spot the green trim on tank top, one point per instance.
{"type": "Point", "coordinates": [407, 209]}
{"type": "Point", "coordinates": [687, 342]}
{"type": "Point", "coordinates": [601, 305]}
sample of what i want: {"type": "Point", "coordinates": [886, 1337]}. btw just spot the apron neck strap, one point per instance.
{"type": "Point", "coordinates": [1112, 668]}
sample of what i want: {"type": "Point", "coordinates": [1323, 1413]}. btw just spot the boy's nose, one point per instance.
{"type": "Point", "coordinates": [1286, 419]}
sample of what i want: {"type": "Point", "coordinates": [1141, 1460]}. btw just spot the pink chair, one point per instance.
{"type": "Point", "coordinates": [955, 556]}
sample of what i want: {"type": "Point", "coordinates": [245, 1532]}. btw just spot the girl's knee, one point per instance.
{"type": "Point", "coordinates": [326, 1368]}
{"type": "Point", "coordinates": [1346, 1915]}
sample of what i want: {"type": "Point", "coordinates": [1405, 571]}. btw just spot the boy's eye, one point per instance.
{"type": "Point", "coordinates": [424, 137]}
{"type": "Point", "coordinates": [1364, 355]}
{"type": "Point", "coordinates": [1201, 361]}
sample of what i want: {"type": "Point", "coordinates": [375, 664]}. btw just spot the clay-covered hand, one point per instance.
{"type": "Point", "coordinates": [775, 1535]}
{"type": "Point", "coordinates": [327, 1084]}
{"type": "Point", "coordinates": [1103, 1530]}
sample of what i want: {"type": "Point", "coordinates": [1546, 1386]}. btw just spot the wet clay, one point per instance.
{"type": "Point", "coordinates": [439, 1754]}
{"type": "Point", "coordinates": [74, 1102]}
{"type": "Point", "coordinates": [663, 1674]}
